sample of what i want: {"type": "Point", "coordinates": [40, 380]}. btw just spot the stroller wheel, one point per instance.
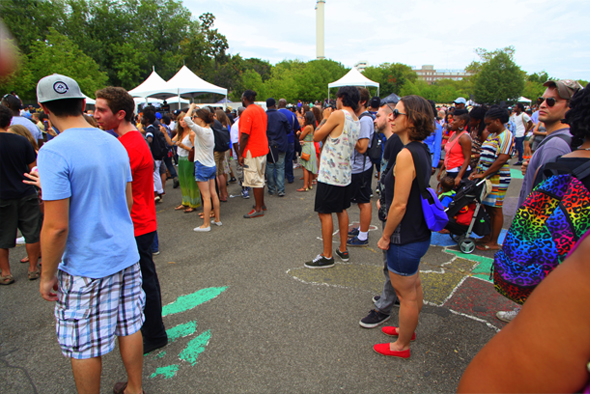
{"type": "Point", "coordinates": [467, 246]}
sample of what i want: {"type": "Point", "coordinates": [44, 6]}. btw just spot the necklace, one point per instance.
{"type": "Point", "coordinates": [580, 148]}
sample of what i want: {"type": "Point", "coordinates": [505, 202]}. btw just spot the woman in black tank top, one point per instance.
{"type": "Point", "coordinates": [406, 237]}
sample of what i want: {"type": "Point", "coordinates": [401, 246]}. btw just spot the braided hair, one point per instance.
{"type": "Point", "coordinates": [578, 116]}
{"type": "Point", "coordinates": [497, 112]}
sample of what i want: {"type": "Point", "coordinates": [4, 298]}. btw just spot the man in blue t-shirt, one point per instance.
{"type": "Point", "coordinates": [294, 127]}
{"type": "Point", "coordinates": [89, 252]}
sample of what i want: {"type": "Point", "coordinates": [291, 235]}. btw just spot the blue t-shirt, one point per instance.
{"type": "Point", "coordinates": [92, 169]}
{"type": "Point", "coordinates": [433, 141]}
{"type": "Point", "coordinates": [293, 122]}
{"type": "Point", "coordinates": [360, 162]}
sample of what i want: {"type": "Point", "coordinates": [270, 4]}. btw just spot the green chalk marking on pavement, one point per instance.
{"type": "Point", "coordinates": [160, 355]}
{"type": "Point", "coordinates": [516, 173]}
{"type": "Point", "coordinates": [195, 347]}
{"type": "Point", "coordinates": [190, 301]}
{"type": "Point", "coordinates": [181, 330]}
{"type": "Point", "coordinates": [168, 371]}
{"type": "Point", "coordinates": [482, 270]}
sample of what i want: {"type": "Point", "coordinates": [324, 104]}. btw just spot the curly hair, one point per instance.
{"type": "Point", "coordinates": [419, 111]}
{"type": "Point", "coordinates": [350, 96]}
{"type": "Point", "coordinates": [578, 116]}
{"type": "Point", "coordinates": [496, 112]}
{"type": "Point", "coordinates": [479, 113]}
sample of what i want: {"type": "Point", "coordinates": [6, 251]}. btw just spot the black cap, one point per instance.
{"type": "Point", "coordinates": [270, 102]}
{"type": "Point", "coordinates": [375, 102]}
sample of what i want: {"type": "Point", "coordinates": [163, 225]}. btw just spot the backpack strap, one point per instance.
{"type": "Point", "coordinates": [582, 171]}
{"type": "Point", "coordinates": [419, 171]}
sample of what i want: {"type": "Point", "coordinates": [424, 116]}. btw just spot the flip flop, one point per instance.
{"type": "Point", "coordinates": [189, 210]}
{"type": "Point", "coordinates": [34, 274]}
{"type": "Point", "coordinates": [180, 207]}
{"type": "Point", "coordinates": [24, 260]}
{"type": "Point", "coordinates": [486, 247]}
{"type": "Point", "coordinates": [303, 189]}
{"type": "Point", "coordinates": [6, 280]}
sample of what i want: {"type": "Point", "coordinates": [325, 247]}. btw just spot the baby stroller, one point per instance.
{"type": "Point", "coordinates": [467, 216]}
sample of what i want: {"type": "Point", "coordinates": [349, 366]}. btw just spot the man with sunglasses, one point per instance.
{"type": "Point", "coordinates": [554, 105]}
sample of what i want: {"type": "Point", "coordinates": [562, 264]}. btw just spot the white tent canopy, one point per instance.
{"type": "Point", "coordinates": [187, 83]}
{"type": "Point", "coordinates": [154, 85]}
{"type": "Point", "coordinates": [524, 100]}
{"type": "Point", "coordinates": [353, 78]}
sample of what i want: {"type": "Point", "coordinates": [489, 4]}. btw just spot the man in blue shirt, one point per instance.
{"type": "Point", "coordinates": [89, 252]}
{"type": "Point", "coordinates": [293, 128]}
{"type": "Point", "coordinates": [434, 140]}
{"type": "Point", "coordinates": [277, 130]}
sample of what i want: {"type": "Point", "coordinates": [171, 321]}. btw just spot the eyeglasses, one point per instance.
{"type": "Point", "coordinates": [550, 101]}
{"type": "Point", "coordinates": [396, 113]}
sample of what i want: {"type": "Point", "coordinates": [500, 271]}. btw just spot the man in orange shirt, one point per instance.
{"type": "Point", "coordinates": [253, 150]}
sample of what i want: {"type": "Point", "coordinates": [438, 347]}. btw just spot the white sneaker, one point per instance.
{"type": "Point", "coordinates": [216, 223]}
{"type": "Point", "coordinates": [202, 230]}
{"type": "Point", "coordinates": [507, 316]}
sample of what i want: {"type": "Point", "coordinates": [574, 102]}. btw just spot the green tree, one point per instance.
{"type": "Point", "coordinates": [22, 78]}
{"type": "Point", "coordinates": [58, 54]}
{"type": "Point", "coordinates": [499, 78]}
{"type": "Point", "coordinates": [391, 77]}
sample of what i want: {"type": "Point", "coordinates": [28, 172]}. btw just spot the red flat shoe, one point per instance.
{"type": "Point", "coordinates": [392, 331]}
{"type": "Point", "coordinates": [383, 348]}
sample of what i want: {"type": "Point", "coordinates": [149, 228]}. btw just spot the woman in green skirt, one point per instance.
{"type": "Point", "coordinates": [184, 140]}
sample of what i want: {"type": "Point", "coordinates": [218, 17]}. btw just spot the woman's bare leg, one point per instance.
{"type": "Point", "coordinates": [409, 292]}
{"type": "Point", "coordinates": [206, 193]}
{"type": "Point", "coordinates": [215, 199]}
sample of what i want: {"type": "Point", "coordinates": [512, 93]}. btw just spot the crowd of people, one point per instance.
{"type": "Point", "coordinates": [45, 176]}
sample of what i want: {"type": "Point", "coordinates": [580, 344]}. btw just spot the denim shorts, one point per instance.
{"type": "Point", "coordinates": [204, 173]}
{"type": "Point", "coordinates": [405, 259]}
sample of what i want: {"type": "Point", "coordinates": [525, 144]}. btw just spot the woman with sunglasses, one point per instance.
{"type": "Point", "coordinates": [205, 168]}
{"type": "Point", "coordinates": [185, 141]}
{"type": "Point", "coordinates": [406, 236]}
{"type": "Point", "coordinates": [495, 153]}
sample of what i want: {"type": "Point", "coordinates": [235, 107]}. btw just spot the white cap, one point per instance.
{"type": "Point", "coordinates": [58, 87]}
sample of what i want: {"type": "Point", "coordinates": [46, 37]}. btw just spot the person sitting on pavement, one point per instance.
{"type": "Point", "coordinates": [406, 237]}
{"type": "Point", "coordinates": [205, 168]}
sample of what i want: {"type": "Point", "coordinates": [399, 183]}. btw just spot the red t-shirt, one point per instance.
{"type": "Point", "coordinates": [143, 212]}
{"type": "Point", "coordinates": [253, 122]}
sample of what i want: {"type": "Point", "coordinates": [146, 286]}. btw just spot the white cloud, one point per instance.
{"type": "Point", "coordinates": [547, 34]}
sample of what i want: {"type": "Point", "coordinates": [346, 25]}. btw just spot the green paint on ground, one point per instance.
{"type": "Point", "coordinates": [181, 330]}
{"type": "Point", "coordinates": [190, 301]}
{"type": "Point", "coordinates": [516, 173]}
{"type": "Point", "coordinates": [168, 371]}
{"type": "Point", "coordinates": [195, 347]}
{"type": "Point", "coordinates": [160, 355]}
{"type": "Point", "coordinates": [482, 270]}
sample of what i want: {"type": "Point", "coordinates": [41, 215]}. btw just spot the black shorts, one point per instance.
{"type": "Point", "coordinates": [330, 198]}
{"type": "Point", "coordinates": [23, 214]}
{"type": "Point", "coordinates": [361, 187]}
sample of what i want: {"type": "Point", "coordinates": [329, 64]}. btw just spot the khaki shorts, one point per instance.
{"type": "Point", "coordinates": [221, 162]}
{"type": "Point", "coordinates": [254, 170]}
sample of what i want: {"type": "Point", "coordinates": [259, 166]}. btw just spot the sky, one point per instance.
{"type": "Point", "coordinates": [548, 35]}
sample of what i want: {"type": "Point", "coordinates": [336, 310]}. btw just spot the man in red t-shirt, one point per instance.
{"type": "Point", "coordinates": [113, 110]}
{"type": "Point", "coordinates": [253, 150]}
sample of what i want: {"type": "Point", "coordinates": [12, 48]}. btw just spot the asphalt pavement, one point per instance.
{"type": "Point", "coordinates": [245, 316]}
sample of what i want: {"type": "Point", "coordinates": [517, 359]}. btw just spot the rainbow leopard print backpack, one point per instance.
{"type": "Point", "coordinates": [552, 219]}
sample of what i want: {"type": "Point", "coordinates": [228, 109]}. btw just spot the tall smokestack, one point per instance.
{"type": "Point", "coordinates": [319, 14]}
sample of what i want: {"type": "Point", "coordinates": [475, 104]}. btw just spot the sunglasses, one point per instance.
{"type": "Point", "coordinates": [396, 113]}
{"type": "Point", "coordinates": [550, 101]}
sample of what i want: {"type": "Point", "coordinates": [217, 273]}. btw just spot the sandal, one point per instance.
{"type": "Point", "coordinates": [24, 260]}
{"type": "Point", "coordinates": [34, 274]}
{"type": "Point", "coordinates": [180, 207]}
{"type": "Point", "coordinates": [6, 280]}
{"type": "Point", "coordinates": [189, 210]}
{"type": "Point", "coordinates": [120, 388]}
{"type": "Point", "coordinates": [303, 189]}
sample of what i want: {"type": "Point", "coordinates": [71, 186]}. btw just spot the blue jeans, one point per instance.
{"type": "Point", "coordinates": [289, 162]}
{"type": "Point", "coordinates": [170, 167]}
{"type": "Point", "coordinates": [405, 259]}
{"type": "Point", "coordinates": [277, 170]}
{"type": "Point", "coordinates": [519, 142]}
{"type": "Point", "coordinates": [155, 243]}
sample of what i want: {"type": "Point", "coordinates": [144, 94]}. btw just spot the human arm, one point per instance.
{"type": "Point", "coordinates": [437, 146]}
{"type": "Point", "coordinates": [335, 120]}
{"type": "Point", "coordinates": [547, 345]}
{"type": "Point", "coordinates": [166, 136]}
{"type": "Point", "coordinates": [496, 165]}
{"type": "Point", "coordinates": [306, 130]}
{"type": "Point", "coordinates": [54, 234]}
{"type": "Point", "coordinates": [243, 142]}
{"type": "Point", "coordinates": [465, 143]}
{"type": "Point", "coordinates": [536, 130]}
{"type": "Point", "coordinates": [404, 175]}
{"type": "Point", "coordinates": [129, 196]}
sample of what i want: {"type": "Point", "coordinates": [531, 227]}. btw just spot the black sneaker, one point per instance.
{"type": "Point", "coordinates": [176, 183]}
{"type": "Point", "coordinates": [320, 262]}
{"type": "Point", "coordinates": [353, 233]}
{"type": "Point", "coordinates": [150, 346]}
{"type": "Point", "coordinates": [373, 319]}
{"type": "Point", "coordinates": [344, 256]}
{"type": "Point", "coordinates": [378, 297]}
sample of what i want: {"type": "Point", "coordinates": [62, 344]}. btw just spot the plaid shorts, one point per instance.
{"type": "Point", "coordinates": [90, 313]}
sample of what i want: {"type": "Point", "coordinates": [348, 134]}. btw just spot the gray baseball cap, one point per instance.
{"type": "Point", "coordinates": [566, 88]}
{"type": "Point", "coordinates": [57, 87]}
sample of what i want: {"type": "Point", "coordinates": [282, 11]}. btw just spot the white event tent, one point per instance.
{"type": "Point", "coordinates": [353, 78]}
{"type": "Point", "coordinates": [184, 83]}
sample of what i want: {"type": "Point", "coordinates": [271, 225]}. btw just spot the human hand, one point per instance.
{"type": "Point", "coordinates": [241, 160]}
{"type": "Point", "coordinates": [525, 165]}
{"type": "Point", "coordinates": [383, 243]}
{"type": "Point", "coordinates": [162, 129]}
{"type": "Point", "coordinates": [378, 204]}
{"type": "Point", "coordinates": [46, 286]}
{"type": "Point", "coordinates": [457, 182]}
{"type": "Point", "coordinates": [34, 179]}
{"type": "Point", "coordinates": [327, 112]}
{"type": "Point", "coordinates": [193, 106]}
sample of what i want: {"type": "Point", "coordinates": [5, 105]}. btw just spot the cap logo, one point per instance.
{"type": "Point", "coordinates": [60, 87]}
